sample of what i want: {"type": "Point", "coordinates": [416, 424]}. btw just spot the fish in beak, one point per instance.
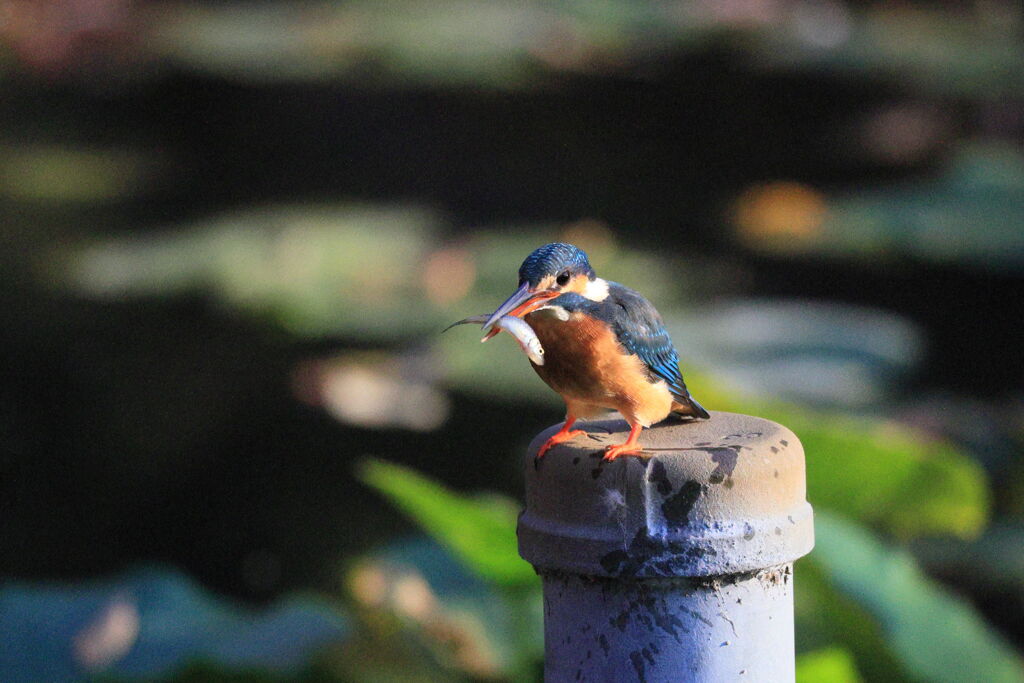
{"type": "Point", "coordinates": [524, 300]}
{"type": "Point", "coordinates": [517, 327]}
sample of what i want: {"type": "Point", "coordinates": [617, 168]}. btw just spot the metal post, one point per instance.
{"type": "Point", "coordinates": [672, 566]}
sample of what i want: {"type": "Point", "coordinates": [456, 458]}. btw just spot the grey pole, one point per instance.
{"type": "Point", "coordinates": [673, 566]}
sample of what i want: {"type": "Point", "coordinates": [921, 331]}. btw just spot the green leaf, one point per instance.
{"type": "Point", "coordinates": [877, 472]}
{"type": "Point", "coordinates": [826, 618]}
{"type": "Point", "coordinates": [888, 475]}
{"type": "Point", "coordinates": [832, 665]}
{"type": "Point", "coordinates": [480, 531]}
{"type": "Point", "coordinates": [936, 636]}
{"type": "Point", "coordinates": [988, 565]}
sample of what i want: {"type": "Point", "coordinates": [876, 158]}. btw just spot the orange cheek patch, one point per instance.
{"type": "Point", "coordinates": [578, 284]}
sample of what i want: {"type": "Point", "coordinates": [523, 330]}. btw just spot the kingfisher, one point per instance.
{"type": "Point", "coordinates": [605, 346]}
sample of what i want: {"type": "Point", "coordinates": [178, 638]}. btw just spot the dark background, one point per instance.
{"type": "Point", "coordinates": [166, 427]}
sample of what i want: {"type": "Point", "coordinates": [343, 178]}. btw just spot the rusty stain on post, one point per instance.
{"type": "Point", "coordinates": [672, 566]}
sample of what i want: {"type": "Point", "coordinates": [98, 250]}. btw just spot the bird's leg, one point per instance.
{"type": "Point", "coordinates": [629, 447]}
{"type": "Point", "coordinates": [563, 434]}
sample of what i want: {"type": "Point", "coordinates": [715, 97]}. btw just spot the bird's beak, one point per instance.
{"type": "Point", "coordinates": [523, 301]}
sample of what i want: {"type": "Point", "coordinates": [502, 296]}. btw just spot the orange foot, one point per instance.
{"type": "Point", "coordinates": [612, 452]}
{"type": "Point", "coordinates": [630, 447]}
{"type": "Point", "coordinates": [563, 435]}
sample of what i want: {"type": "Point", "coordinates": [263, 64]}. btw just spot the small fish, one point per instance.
{"type": "Point", "coordinates": [517, 327]}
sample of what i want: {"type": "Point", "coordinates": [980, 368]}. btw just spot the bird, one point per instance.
{"type": "Point", "coordinates": [605, 346]}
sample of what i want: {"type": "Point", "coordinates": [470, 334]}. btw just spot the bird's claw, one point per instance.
{"type": "Point", "coordinates": [557, 439]}
{"type": "Point", "coordinates": [613, 452]}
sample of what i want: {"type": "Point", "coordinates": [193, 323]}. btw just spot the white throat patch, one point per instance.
{"type": "Point", "coordinates": [596, 289]}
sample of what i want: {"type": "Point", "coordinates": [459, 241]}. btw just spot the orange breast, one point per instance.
{"type": "Point", "coordinates": [584, 362]}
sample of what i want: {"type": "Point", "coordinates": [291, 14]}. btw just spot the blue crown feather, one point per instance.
{"type": "Point", "coordinates": [553, 258]}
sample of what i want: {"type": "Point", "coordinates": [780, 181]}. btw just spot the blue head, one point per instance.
{"type": "Point", "coordinates": [549, 271]}
{"type": "Point", "coordinates": [555, 264]}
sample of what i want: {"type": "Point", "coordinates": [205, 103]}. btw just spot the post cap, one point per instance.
{"type": "Point", "coordinates": [706, 498]}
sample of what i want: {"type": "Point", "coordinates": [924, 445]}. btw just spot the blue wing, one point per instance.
{"type": "Point", "coordinates": [640, 329]}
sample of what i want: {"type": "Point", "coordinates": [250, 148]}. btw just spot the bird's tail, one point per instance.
{"type": "Point", "coordinates": [690, 408]}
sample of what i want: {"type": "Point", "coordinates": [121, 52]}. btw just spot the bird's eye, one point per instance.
{"type": "Point", "coordinates": [562, 279]}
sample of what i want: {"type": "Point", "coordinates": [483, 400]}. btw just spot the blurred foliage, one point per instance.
{"type": "Point", "coordinates": [151, 624]}
{"type": "Point", "coordinates": [830, 355]}
{"type": "Point", "coordinates": [936, 636]}
{"type": "Point", "coordinates": [831, 665]}
{"type": "Point", "coordinates": [931, 48]}
{"type": "Point", "coordinates": [826, 617]}
{"type": "Point", "coordinates": [422, 607]}
{"type": "Point", "coordinates": [368, 272]}
{"type": "Point", "coordinates": [935, 219]}
{"type": "Point", "coordinates": [945, 188]}
{"type": "Point", "coordinates": [297, 267]}
{"type": "Point", "coordinates": [996, 561]}
{"type": "Point", "coordinates": [57, 174]}
{"type": "Point", "coordinates": [509, 45]}
{"type": "Point", "coordinates": [893, 476]}
{"type": "Point", "coordinates": [306, 268]}
{"type": "Point", "coordinates": [481, 532]}
{"type": "Point", "coordinates": [208, 672]}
